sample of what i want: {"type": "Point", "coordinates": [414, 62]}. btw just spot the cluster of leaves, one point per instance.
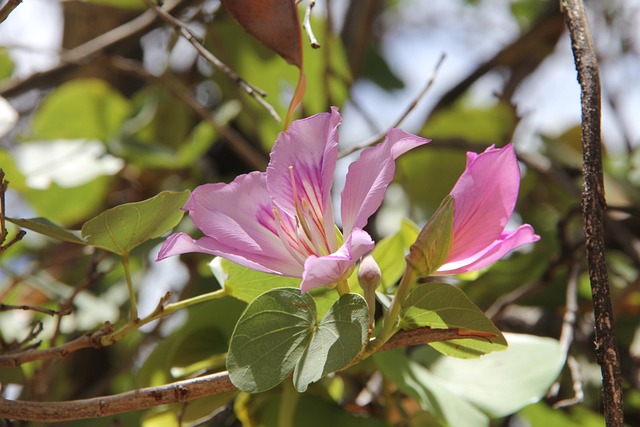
{"type": "Point", "coordinates": [152, 144]}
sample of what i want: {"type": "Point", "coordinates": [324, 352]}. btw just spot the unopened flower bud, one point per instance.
{"type": "Point", "coordinates": [369, 274]}
{"type": "Point", "coordinates": [434, 242]}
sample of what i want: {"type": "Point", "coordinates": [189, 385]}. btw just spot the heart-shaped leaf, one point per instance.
{"type": "Point", "coordinates": [270, 338]}
{"type": "Point", "coordinates": [122, 228]}
{"type": "Point", "coordinates": [49, 229]}
{"type": "Point", "coordinates": [337, 341]}
{"type": "Point", "coordinates": [279, 331]}
{"type": "Point", "coordinates": [443, 306]}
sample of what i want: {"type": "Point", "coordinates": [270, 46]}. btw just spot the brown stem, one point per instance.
{"type": "Point", "coordinates": [186, 390]}
{"type": "Point", "coordinates": [593, 206]}
{"type": "Point", "coordinates": [8, 8]}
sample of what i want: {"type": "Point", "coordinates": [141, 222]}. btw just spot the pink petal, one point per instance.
{"type": "Point", "coordinates": [505, 244]}
{"type": "Point", "coordinates": [238, 223]}
{"type": "Point", "coordinates": [308, 150]}
{"type": "Point", "coordinates": [485, 196]}
{"type": "Point", "coordinates": [369, 177]}
{"type": "Point", "coordinates": [181, 243]}
{"type": "Point", "coordinates": [320, 271]}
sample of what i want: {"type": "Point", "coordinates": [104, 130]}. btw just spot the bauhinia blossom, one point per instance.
{"type": "Point", "coordinates": [484, 199]}
{"type": "Point", "coordinates": [281, 221]}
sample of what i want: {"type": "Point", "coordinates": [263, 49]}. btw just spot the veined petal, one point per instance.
{"type": "Point", "coordinates": [238, 222]}
{"type": "Point", "coordinates": [499, 248]}
{"type": "Point", "coordinates": [369, 177]}
{"type": "Point", "coordinates": [308, 151]}
{"type": "Point", "coordinates": [485, 196]}
{"type": "Point", "coordinates": [320, 271]}
{"type": "Point", "coordinates": [181, 243]}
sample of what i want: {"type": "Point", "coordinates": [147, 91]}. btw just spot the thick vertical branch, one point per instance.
{"type": "Point", "coordinates": [593, 205]}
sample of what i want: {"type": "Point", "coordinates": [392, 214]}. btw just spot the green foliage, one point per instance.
{"type": "Point", "coordinates": [500, 383]}
{"type": "Point", "coordinates": [416, 381]}
{"type": "Point", "coordinates": [124, 227]}
{"type": "Point", "coordinates": [81, 109]}
{"type": "Point", "coordinates": [279, 331]}
{"type": "Point", "coordinates": [442, 306]}
{"type": "Point", "coordinates": [48, 228]}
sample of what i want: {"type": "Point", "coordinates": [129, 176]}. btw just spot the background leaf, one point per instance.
{"type": "Point", "coordinates": [416, 381]}
{"type": "Point", "coordinates": [48, 228]}
{"type": "Point", "coordinates": [122, 228]}
{"type": "Point", "coordinates": [443, 306]}
{"type": "Point", "coordinates": [502, 383]}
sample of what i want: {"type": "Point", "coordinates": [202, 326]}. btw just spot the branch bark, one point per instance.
{"type": "Point", "coordinates": [593, 206]}
{"type": "Point", "coordinates": [186, 390]}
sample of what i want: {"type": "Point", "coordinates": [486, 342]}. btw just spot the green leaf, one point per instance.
{"type": "Point", "coordinates": [86, 108]}
{"type": "Point", "coordinates": [48, 228]}
{"type": "Point", "coordinates": [122, 228]}
{"type": "Point", "coordinates": [417, 382]}
{"type": "Point", "coordinates": [497, 382]}
{"type": "Point", "coordinates": [336, 342]}
{"type": "Point", "coordinates": [6, 64]}
{"type": "Point", "coordinates": [270, 338]}
{"type": "Point", "coordinates": [279, 331]}
{"type": "Point", "coordinates": [246, 284]}
{"type": "Point", "coordinates": [443, 306]}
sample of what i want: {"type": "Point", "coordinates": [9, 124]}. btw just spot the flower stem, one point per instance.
{"type": "Point", "coordinates": [132, 293]}
{"type": "Point", "coordinates": [343, 287]}
{"type": "Point", "coordinates": [390, 325]}
{"type": "Point", "coordinates": [159, 312]}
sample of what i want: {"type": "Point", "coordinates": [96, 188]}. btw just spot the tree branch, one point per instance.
{"type": "Point", "coordinates": [8, 7]}
{"type": "Point", "coordinates": [185, 32]}
{"type": "Point", "coordinates": [186, 390]}
{"type": "Point", "coordinates": [593, 206]}
{"type": "Point", "coordinates": [87, 51]}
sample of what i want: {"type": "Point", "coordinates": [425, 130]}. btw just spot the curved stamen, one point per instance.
{"type": "Point", "coordinates": [291, 245]}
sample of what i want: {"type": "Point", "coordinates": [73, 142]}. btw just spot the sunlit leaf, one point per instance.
{"type": "Point", "coordinates": [122, 228]}
{"type": "Point", "coordinates": [443, 306]}
{"type": "Point", "coordinates": [48, 228]}
{"type": "Point", "coordinates": [338, 339]}
{"type": "Point", "coordinates": [416, 381]}
{"type": "Point", "coordinates": [502, 383]}
{"type": "Point", "coordinates": [389, 253]}
{"type": "Point", "coordinates": [279, 331]}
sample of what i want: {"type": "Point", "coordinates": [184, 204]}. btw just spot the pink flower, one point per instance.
{"type": "Point", "coordinates": [484, 199]}
{"type": "Point", "coordinates": [281, 221]}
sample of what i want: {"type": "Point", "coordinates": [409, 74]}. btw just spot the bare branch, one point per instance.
{"type": "Point", "coordinates": [593, 206]}
{"type": "Point", "coordinates": [185, 32]}
{"type": "Point", "coordinates": [238, 144]}
{"type": "Point", "coordinates": [380, 136]}
{"type": "Point", "coordinates": [90, 340]}
{"type": "Point", "coordinates": [9, 7]}
{"type": "Point", "coordinates": [89, 50]}
{"type": "Point", "coordinates": [186, 390]}
{"type": "Point", "coordinates": [47, 311]}
{"type": "Point", "coordinates": [306, 24]}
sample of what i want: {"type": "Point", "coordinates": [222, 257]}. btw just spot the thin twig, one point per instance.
{"type": "Point", "coordinates": [89, 50]}
{"type": "Point", "coordinates": [593, 206]}
{"type": "Point", "coordinates": [8, 8]}
{"type": "Point", "coordinates": [91, 340]}
{"type": "Point", "coordinates": [380, 136]}
{"type": "Point", "coordinates": [578, 392]}
{"type": "Point", "coordinates": [186, 390]}
{"type": "Point", "coordinates": [47, 311]}
{"type": "Point", "coordinates": [306, 24]}
{"type": "Point", "coordinates": [185, 32]}
{"type": "Point", "coordinates": [237, 143]}
{"type": "Point", "coordinates": [3, 226]}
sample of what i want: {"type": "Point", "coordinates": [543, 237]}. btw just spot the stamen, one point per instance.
{"type": "Point", "coordinates": [287, 242]}
{"type": "Point", "coordinates": [299, 213]}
